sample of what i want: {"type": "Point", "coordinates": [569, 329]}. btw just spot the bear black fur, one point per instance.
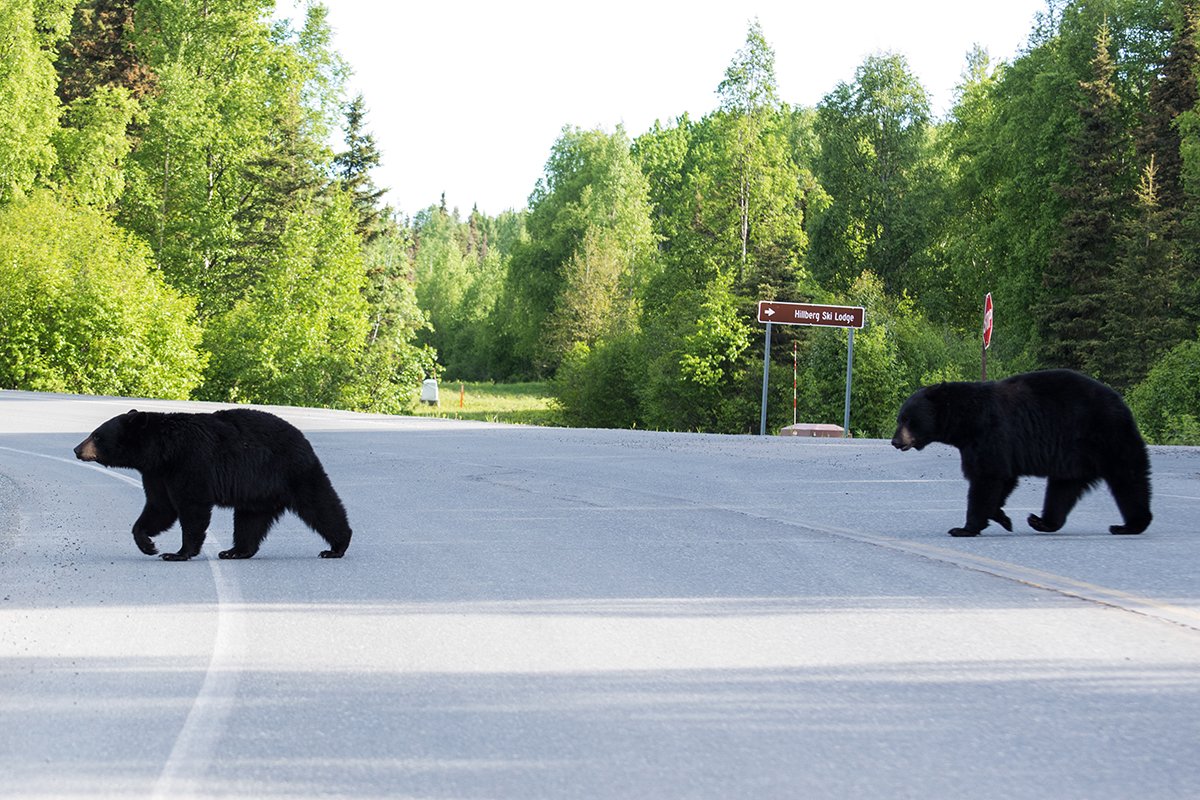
{"type": "Point", "coordinates": [1057, 424]}
{"type": "Point", "coordinates": [249, 460]}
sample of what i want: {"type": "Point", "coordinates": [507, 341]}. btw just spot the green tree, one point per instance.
{"type": "Point", "coordinates": [100, 53]}
{"type": "Point", "coordinates": [697, 377]}
{"type": "Point", "coordinates": [749, 95]}
{"type": "Point", "coordinates": [971, 267]}
{"type": "Point", "coordinates": [442, 274]}
{"type": "Point", "coordinates": [353, 167]}
{"type": "Point", "coordinates": [299, 335]}
{"type": "Point", "coordinates": [1144, 297]}
{"type": "Point", "coordinates": [82, 308]}
{"type": "Point", "coordinates": [1167, 403]}
{"type": "Point", "coordinates": [592, 192]}
{"type": "Point", "coordinates": [599, 386]}
{"type": "Point", "coordinates": [1014, 147]}
{"type": "Point", "coordinates": [730, 192]}
{"type": "Point", "coordinates": [92, 145]}
{"type": "Point", "coordinates": [29, 108]}
{"type": "Point", "coordinates": [395, 360]}
{"type": "Point", "coordinates": [233, 139]}
{"type": "Point", "coordinates": [1078, 274]}
{"type": "Point", "coordinates": [875, 160]}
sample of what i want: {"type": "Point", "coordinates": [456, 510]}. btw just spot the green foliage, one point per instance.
{"type": "Point", "coordinates": [29, 108]}
{"type": "Point", "coordinates": [697, 378]}
{"type": "Point", "coordinates": [897, 351]}
{"type": "Point", "coordinates": [99, 52]}
{"type": "Point", "coordinates": [232, 142]}
{"type": "Point", "coordinates": [354, 167]}
{"type": "Point", "coordinates": [82, 308]}
{"type": "Point", "coordinates": [1074, 300]}
{"type": "Point", "coordinates": [1167, 403]}
{"type": "Point", "coordinates": [598, 387]}
{"type": "Point", "coordinates": [298, 337]}
{"type": "Point", "coordinates": [460, 270]}
{"type": "Point", "coordinates": [1064, 182]}
{"type": "Point", "coordinates": [590, 209]}
{"type": "Point", "coordinates": [92, 146]}
{"type": "Point", "coordinates": [876, 165]}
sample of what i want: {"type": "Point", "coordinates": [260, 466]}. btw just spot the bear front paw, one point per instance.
{"type": "Point", "coordinates": [1039, 525]}
{"type": "Point", "coordinates": [962, 532]}
{"type": "Point", "coordinates": [145, 544]}
{"type": "Point", "coordinates": [1004, 521]}
{"type": "Point", "coordinates": [180, 556]}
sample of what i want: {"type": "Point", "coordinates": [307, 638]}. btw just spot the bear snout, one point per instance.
{"type": "Point", "coordinates": [86, 450]}
{"type": "Point", "coordinates": [903, 439]}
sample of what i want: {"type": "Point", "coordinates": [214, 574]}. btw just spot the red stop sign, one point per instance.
{"type": "Point", "coordinates": [987, 321]}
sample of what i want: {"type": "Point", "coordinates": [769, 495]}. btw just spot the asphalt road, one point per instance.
{"type": "Point", "coordinates": [547, 613]}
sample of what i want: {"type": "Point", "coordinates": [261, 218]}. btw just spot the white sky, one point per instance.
{"type": "Point", "coordinates": [467, 97]}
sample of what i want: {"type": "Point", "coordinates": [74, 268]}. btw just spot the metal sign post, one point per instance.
{"type": "Point", "coordinates": [762, 424]}
{"type": "Point", "coordinates": [849, 317]}
{"type": "Point", "coordinates": [849, 374]}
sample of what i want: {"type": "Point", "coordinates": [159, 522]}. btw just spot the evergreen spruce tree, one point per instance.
{"type": "Point", "coordinates": [1073, 302]}
{"type": "Point", "coordinates": [1143, 319]}
{"type": "Point", "coordinates": [353, 168]}
{"type": "Point", "coordinates": [100, 52]}
{"type": "Point", "coordinates": [1175, 92]}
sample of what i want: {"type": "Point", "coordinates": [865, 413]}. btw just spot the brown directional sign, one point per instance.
{"type": "Point", "coordinates": [808, 314]}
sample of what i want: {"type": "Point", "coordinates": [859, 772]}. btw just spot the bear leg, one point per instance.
{"type": "Point", "coordinates": [985, 497]}
{"type": "Point", "coordinates": [998, 514]}
{"type": "Point", "coordinates": [322, 510]}
{"type": "Point", "coordinates": [1061, 496]}
{"type": "Point", "coordinates": [249, 529]}
{"type": "Point", "coordinates": [1133, 501]}
{"type": "Point", "coordinates": [157, 516]}
{"type": "Point", "coordinates": [194, 522]}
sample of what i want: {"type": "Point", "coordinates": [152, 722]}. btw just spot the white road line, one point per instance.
{"type": "Point", "coordinates": [196, 742]}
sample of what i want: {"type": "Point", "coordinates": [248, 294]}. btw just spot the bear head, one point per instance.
{"type": "Point", "coordinates": [119, 442]}
{"type": "Point", "coordinates": [917, 421]}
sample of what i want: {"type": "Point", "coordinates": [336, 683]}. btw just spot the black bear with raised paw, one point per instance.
{"type": "Point", "coordinates": [1057, 424]}
{"type": "Point", "coordinates": [251, 461]}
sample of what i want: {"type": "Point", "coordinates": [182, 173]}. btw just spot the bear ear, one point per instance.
{"type": "Point", "coordinates": [136, 418]}
{"type": "Point", "coordinates": [935, 394]}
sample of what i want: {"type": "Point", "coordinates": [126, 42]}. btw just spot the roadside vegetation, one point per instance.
{"type": "Point", "coordinates": [1066, 183]}
{"type": "Point", "coordinates": [519, 403]}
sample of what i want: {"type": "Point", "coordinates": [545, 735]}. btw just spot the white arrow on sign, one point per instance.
{"type": "Point", "coordinates": [769, 312]}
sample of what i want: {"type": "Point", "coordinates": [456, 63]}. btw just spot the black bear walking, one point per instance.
{"type": "Point", "coordinates": [1057, 424]}
{"type": "Point", "coordinates": [252, 461]}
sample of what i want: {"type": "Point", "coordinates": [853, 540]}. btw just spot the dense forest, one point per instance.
{"type": "Point", "coordinates": [174, 222]}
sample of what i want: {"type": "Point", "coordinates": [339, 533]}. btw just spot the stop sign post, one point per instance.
{"type": "Point", "coordinates": [773, 312]}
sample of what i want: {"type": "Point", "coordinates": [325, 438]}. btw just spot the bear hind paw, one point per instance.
{"type": "Point", "coordinates": [962, 532]}
{"type": "Point", "coordinates": [331, 553]}
{"type": "Point", "coordinates": [235, 553]}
